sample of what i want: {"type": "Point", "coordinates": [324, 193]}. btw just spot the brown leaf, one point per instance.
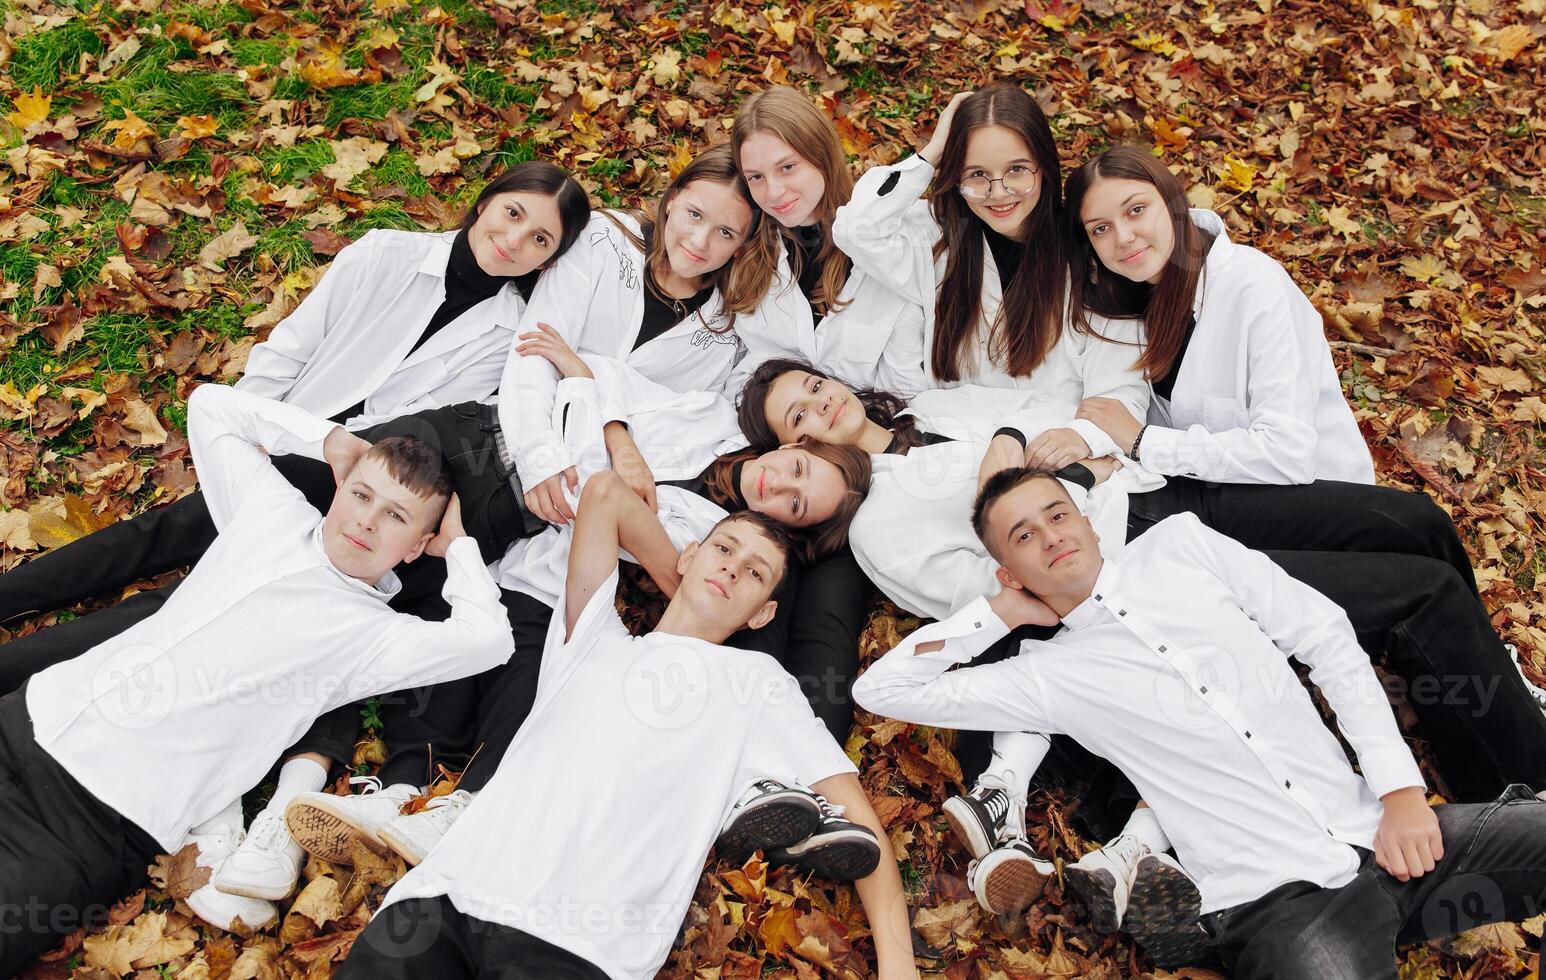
{"type": "Point", "coordinates": [140, 420]}
{"type": "Point", "coordinates": [177, 874]}
{"type": "Point", "coordinates": [326, 241]}
{"type": "Point", "coordinates": [229, 244]}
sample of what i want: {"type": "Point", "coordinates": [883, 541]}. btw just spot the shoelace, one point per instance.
{"type": "Point", "coordinates": [996, 802]}
{"type": "Point", "coordinates": [829, 811]}
{"type": "Point", "coordinates": [443, 810]}
{"type": "Point", "coordinates": [370, 783]}
{"type": "Point", "coordinates": [268, 832]}
{"type": "Point", "coordinates": [1126, 849]}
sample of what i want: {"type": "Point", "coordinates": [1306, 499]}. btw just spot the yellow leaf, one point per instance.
{"type": "Point", "coordinates": [56, 521]}
{"type": "Point", "coordinates": [1424, 268]}
{"type": "Point", "coordinates": [666, 67]}
{"type": "Point", "coordinates": [1342, 223]}
{"type": "Point", "coordinates": [1511, 40]}
{"type": "Point", "coordinates": [1237, 174]}
{"type": "Point", "coordinates": [324, 68]}
{"type": "Point", "coordinates": [140, 419]}
{"type": "Point", "coordinates": [30, 108]}
{"type": "Point", "coordinates": [16, 531]}
{"type": "Point", "coordinates": [131, 129]}
{"type": "Point", "coordinates": [90, 400]}
{"type": "Point", "coordinates": [1154, 42]}
{"type": "Point", "coordinates": [198, 127]}
{"type": "Point", "coordinates": [352, 157]}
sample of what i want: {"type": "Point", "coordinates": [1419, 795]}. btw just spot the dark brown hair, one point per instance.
{"type": "Point", "coordinates": [1031, 317]}
{"type": "Point", "coordinates": [793, 118]}
{"type": "Point", "coordinates": [415, 464]}
{"type": "Point", "coordinates": [1166, 307]}
{"type": "Point", "coordinates": [536, 177]}
{"type": "Point", "coordinates": [820, 539]}
{"type": "Point", "coordinates": [775, 532]}
{"type": "Point", "coordinates": [881, 407]}
{"type": "Point", "coordinates": [999, 484]}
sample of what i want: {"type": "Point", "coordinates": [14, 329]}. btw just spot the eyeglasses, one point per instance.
{"type": "Point", "coordinates": [1016, 182]}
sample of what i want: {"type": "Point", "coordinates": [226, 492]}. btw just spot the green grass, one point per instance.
{"type": "Point", "coordinates": [397, 167]}
{"type": "Point", "coordinates": [496, 89]}
{"type": "Point", "coordinates": [286, 164]}
{"type": "Point", "coordinates": [388, 214]}
{"type": "Point", "coordinates": [159, 96]}
{"type": "Point", "coordinates": [250, 51]}
{"type": "Point", "coordinates": [45, 58]}
{"type": "Point", "coordinates": [283, 243]}
{"type": "Point", "coordinates": [368, 101]}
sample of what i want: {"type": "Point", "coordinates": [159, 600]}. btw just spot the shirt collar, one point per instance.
{"type": "Point", "coordinates": [1218, 253]}
{"type": "Point", "coordinates": [385, 589]}
{"type": "Point", "coordinates": [438, 256]}
{"type": "Point", "coordinates": [1091, 610]}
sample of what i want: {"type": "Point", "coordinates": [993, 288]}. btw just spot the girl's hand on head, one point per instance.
{"type": "Point", "coordinates": [1003, 453]}
{"type": "Point", "coordinates": [936, 144]}
{"type": "Point", "coordinates": [1055, 449]}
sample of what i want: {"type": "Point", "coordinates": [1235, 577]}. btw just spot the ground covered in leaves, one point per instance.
{"type": "Point", "coordinates": [177, 174]}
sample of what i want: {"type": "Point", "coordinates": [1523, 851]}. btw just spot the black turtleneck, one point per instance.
{"type": "Point", "coordinates": [1006, 255]}
{"type": "Point", "coordinates": [661, 312]}
{"type": "Point", "coordinates": [1164, 386]}
{"type": "Point", "coordinates": [802, 246]}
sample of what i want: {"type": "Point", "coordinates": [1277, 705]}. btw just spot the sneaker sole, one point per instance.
{"type": "Point", "coordinates": [207, 916]}
{"type": "Point", "coordinates": [836, 857]}
{"type": "Point", "coordinates": [403, 849]}
{"type": "Point", "coordinates": [775, 822]}
{"type": "Point", "coordinates": [1010, 886]}
{"type": "Point", "coordinates": [966, 827]}
{"type": "Point", "coordinates": [1162, 912]}
{"type": "Point", "coordinates": [325, 831]}
{"type": "Point", "coordinates": [1097, 892]}
{"type": "Point", "coordinates": [246, 890]}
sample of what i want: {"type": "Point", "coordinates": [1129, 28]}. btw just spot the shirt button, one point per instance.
{"type": "Point", "coordinates": [1162, 648]}
{"type": "Point", "coordinates": [1287, 784]}
{"type": "Point", "coordinates": [1247, 734]}
{"type": "Point", "coordinates": [1203, 690]}
{"type": "Point", "coordinates": [976, 626]}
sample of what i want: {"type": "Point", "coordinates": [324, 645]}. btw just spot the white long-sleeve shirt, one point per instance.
{"type": "Point", "coordinates": [181, 713]}
{"type": "Point", "coordinates": [593, 297]}
{"type": "Point", "coordinates": [1176, 669]}
{"type": "Point", "coordinates": [349, 340]}
{"type": "Point", "coordinates": [1256, 399]}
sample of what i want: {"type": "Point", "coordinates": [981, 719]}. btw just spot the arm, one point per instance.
{"type": "Point", "coordinates": [230, 432]}
{"type": "Point", "coordinates": [610, 517]}
{"type": "Point", "coordinates": [881, 891]}
{"type": "Point", "coordinates": [878, 345]}
{"type": "Point", "coordinates": [273, 365]}
{"type": "Point", "coordinates": [888, 231]}
{"type": "Point", "coordinates": [1285, 358]}
{"type": "Point", "coordinates": [1108, 372]}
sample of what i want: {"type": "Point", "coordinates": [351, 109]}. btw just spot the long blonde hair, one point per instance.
{"type": "Point", "coordinates": [793, 118]}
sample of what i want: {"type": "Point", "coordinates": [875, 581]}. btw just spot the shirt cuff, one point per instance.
{"type": "Point", "coordinates": [968, 633]}
{"type": "Point", "coordinates": [1011, 432]}
{"type": "Point", "coordinates": [1389, 768]}
{"type": "Point", "coordinates": [1161, 451]}
{"type": "Point", "coordinates": [1100, 443]}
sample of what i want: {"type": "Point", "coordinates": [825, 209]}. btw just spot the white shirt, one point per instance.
{"type": "Point", "coordinates": [181, 713]}
{"type": "Point", "coordinates": [1176, 670]}
{"type": "Point", "coordinates": [593, 296]}
{"type": "Point", "coordinates": [349, 340]}
{"type": "Point", "coordinates": [1256, 399]}
{"type": "Point", "coordinates": [593, 832]}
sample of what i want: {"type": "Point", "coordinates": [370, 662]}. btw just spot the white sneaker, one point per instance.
{"type": "Point", "coordinates": [215, 906]}
{"type": "Point", "coordinates": [1536, 693]}
{"type": "Point", "coordinates": [1009, 878]}
{"type": "Point", "coordinates": [1103, 879]}
{"type": "Point", "coordinates": [266, 865]}
{"type": "Point", "coordinates": [327, 825]}
{"type": "Point", "coordinates": [412, 835]}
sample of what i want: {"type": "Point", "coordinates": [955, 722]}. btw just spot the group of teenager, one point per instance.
{"type": "Point", "coordinates": [1098, 441]}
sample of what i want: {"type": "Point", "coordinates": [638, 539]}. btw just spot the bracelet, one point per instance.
{"type": "Point", "coordinates": [1138, 440]}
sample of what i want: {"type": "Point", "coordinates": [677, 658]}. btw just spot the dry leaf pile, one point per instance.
{"type": "Point", "coordinates": [178, 173]}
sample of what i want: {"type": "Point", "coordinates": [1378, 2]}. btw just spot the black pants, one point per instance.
{"type": "Point", "coordinates": [428, 937]}
{"type": "Point", "coordinates": [1493, 870]}
{"type": "Point", "coordinates": [65, 856]}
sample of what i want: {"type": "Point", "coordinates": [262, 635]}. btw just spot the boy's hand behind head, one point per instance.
{"type": "Point", "coordinates": [450, 529]}
{"type": "Point", "coordinates": [341, 450]}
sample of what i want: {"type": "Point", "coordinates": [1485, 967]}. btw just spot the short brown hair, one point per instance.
{"type": "Point", "coordinates": [999, 484]}
{"type": "Point", "coordinates": [415, 464]}
{"type": "Point", "coordinates": [774, 532]}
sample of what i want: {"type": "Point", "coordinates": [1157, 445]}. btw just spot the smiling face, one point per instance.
{"type": "Point", "coordinates": [801, 404]}
{"type": "Point", "coordinates": [728, 578]}
{"type": "Point", "coordinates": [705, 223]}
{"type": "Point", "coordinates": [999, 152]}
{"type": "Point", "coordinates": [783, 183]}
{"type": "Point", "coordinates": [516, 232]}
{"type": "Point", "coordinates": [793, 486]}
{"type": "Point", "coordinates": [1129, 227]}
{"type": "Point", "coordinates": [376, 522]}
{"type": "Point", "coordinates": [1042, 540]}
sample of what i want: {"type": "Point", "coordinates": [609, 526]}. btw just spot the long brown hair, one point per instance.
{"type": "Point", "coordinates": [1166, 307]}
{"type": "Point", "coordinates": [881, 407]}
{"type": "Point", "coordinates": [821, 539]}
{"type": "Point", "coordinates": [744, 280]}
{"type": "Point", "coordinates": [1031, 317]}
{"type": "Point", "coordinates": [537, 177]}
{"type": "Point", "coordinates": [792, 117]}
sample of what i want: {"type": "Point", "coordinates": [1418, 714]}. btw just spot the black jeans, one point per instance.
{"type": "Point", "coordinates": [171, 537]}
{"type": "Point", "coordinates": [1393, 562]}
{"type": "Point", "coordinates": [1493, 870]}
{"type": "Point", "coordinates": [428, 937]}
{"type": "Point", "coordinates": [65, 856]}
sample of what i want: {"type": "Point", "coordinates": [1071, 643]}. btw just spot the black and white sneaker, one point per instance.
{"type": "Point", "coordinates": [979, 817]}
{"type": "Point", "coordinates": [1531, 688]}
{"type": "Point", "coordinates": [839, 850]}
{"type": "Point", "coordinates": [767, 816]}
{"type": "Point", "coordinates": [1162, 913]}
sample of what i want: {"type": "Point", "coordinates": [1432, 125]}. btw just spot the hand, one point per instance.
{"type": "Point", "coordinates": [450, 529]}
{"type": "Point", "coordinates": [1055, 449]}
{"type": "Point", "coordinates": [1113, 418]}
{"type": "Point", "coordinates": [1103, 467]}
{"type": "Point", "coordinates": [545, 342]}
{"type": "Point", "coordinates": [1408, 843]}
{"type": "Point", "coordinates": [936, 144]}
{"type": "Point", "coordinates": [1003, 453]}
{"type": "Point", "coordinates": [629, 464]}
{"type": "Point", "coordinates": [546, 499]}
{"type": "Point", "coordinates": [341, 450]}
{"type": "Point", "coordinates": [1017, 607]}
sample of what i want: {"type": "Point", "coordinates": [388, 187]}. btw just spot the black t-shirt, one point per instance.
{"type": "Point", "coordinates": [1165, 385]}
{"type": "Point", "coordinates": [924, 439]}
{"type": "Point", "coordinates": [802, 246]}
{"type": "Point", "coordinates": [1006, 255]}
{"type": "Point", "coordinates": [661, 312]}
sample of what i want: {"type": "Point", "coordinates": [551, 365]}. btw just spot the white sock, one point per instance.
{"type": "Point", "coordinates": [228, 819]}
{"type": "Point", "coordinates": [1016, 757]}
{"type": "Point", "coordinates": [1145, 826]}
{"type": "Point", "coordinates": [296, 777]}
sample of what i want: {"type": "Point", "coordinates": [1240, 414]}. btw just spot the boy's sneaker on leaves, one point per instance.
{"type": "Point", "coordinates": [1009, 878]}
{"type": "Point", "coordinates": [413, 834]}
{"type": "Point", "coordinates": [1103, 878]}
{"type": "Point", "coordinates": [768, 815]}
{"type": "Point", "coordinates": [1536, 693]}
{"type": "Point", "coordinates": [1162, 910]}
{"type": "Point", "coordinates": [266, 865]}
{"type": "Point", "coordinates": [326, 825]}
{"type": "Point", "coordinates": [978, 818]}
{"type": "Point", "coordinates": [215, 906]}
{"type": "Point", "coordinates": [839, 850]}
